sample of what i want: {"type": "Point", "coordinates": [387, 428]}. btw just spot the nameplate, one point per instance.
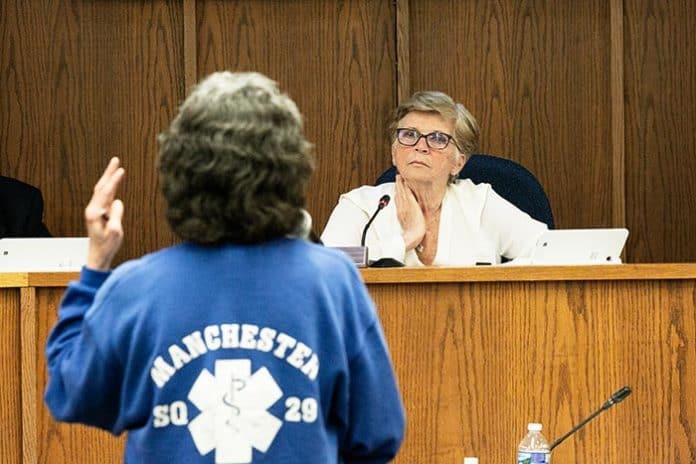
{"type": "Point", "coordinates": [356, 253]}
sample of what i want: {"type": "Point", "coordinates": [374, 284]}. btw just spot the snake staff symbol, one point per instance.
{"type": "Point", "coordinates": [234, 418]}
{"type": "Point", "coordinates": [228, 399]}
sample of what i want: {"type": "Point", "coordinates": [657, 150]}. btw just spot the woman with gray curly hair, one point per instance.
{"type": "Point", "coordinates": [234, 163]}
{"type": "Point", "coordinates": [245, 343]}
{"type": "Point", "coordinates": [436, 218]}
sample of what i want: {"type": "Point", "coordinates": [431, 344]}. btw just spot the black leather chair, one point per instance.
{"type": "Point", "coordinates": [508, 178]}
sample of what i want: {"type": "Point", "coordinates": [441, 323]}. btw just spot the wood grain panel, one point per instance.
{"type": "Point", "coordinates": [335, 59]}
{"type": "Point", "coordinates": [83, 81]}
{"type": "Point", "coordinates": [536, 76]}
{"type": "Point", "coordinates": [10, 370]}
{"type": "Point", "coordinates": [28, 359]}
{"type": "Point", "coordinates": [403, 50]}
{"type": "Point", "coordinates": [660, 111]}
{"type": "Point", "coordinates": [618, 118]}
{"type": "Point", "coordinates": [476, 362]}
{"type": "Point", "coordinates": [516, 273]}
{"type": "Point", "coordinates": [58, 443]}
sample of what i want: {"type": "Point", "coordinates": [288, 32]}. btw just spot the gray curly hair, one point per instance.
{"type": "Point", "coordinates": [234, 163]}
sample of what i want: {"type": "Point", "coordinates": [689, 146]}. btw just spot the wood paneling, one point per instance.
{"type": "Point", "coordinates": [83, 81]}
{"type": "Point", "coordinates": [403, 50]}
{"type": "Point", "coordinates": [10, 369]}
{"type": "Point", "coordinates": [618, 120]}
{"type": "Point", "coordinates": [59, 443]}
{"type": "Point", "coordinates": [596, 98]}
{"type": "Point", "coordinates": [536, 76]}
{"type": "Point", "coordinates": [527, 274]}
{"type": "Point", "coordinates": [477, 361]}
{"type": "Point", "coordinates": [660, 86]}
{"type": "Point", "coordinates": [335, 59]}
{"type": "Point", "coordinates": [29, 357]}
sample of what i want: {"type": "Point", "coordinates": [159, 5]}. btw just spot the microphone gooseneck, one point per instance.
{"type": "Point", "coordinates": [617, 397]}
{"type": "Point", "coordinates": [384, 201]}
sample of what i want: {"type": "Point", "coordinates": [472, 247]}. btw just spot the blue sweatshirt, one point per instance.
{"type": "Point", "coordinates": [228, 354]}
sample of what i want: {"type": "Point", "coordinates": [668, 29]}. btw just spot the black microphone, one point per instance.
{"type": "Point", "coordinates": [384, 201]}
{"type": "Point", "coordinates": [617, 397]}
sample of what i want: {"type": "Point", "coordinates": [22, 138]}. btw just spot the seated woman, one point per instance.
{"type": "Point", "coordinates": [435, 218]}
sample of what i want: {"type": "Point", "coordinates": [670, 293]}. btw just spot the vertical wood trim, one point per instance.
{"type": "Point", "coordinates": [617, 114]}
{"type": "Point", "coordinates": [28, 353]}
{"type": "Point", "coordinates": [190, 49]}
{"type": "Point", "coordinates": [403, 56]}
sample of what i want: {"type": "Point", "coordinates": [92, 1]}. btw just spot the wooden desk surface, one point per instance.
{"type": "Point", "coordinates": [662, 271]}
{"type": "Point", "coordinates": [506, 273]}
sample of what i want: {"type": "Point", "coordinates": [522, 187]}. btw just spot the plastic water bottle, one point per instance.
{"type": "Point", "coordinates": [471, 461]}
{"type": "Point", "coordinates": [533, 449]}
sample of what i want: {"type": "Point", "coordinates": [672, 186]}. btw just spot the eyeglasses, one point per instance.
{"type": "Point", "coordinates": [436, 140]}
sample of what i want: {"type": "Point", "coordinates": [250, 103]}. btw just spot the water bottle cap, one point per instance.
{"type": "Point", "coordinates": [534, 427]}
{"type": "Point", "coordinates": [470, 460]}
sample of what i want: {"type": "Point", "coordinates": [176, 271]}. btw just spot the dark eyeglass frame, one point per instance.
{"type": "Point", "coordinates": [425, 136]}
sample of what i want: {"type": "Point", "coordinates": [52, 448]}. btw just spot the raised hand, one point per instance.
{"type": "Point", "coordinates": [410, 215]}
{"type": "Point", "coordinates": [103, 216]}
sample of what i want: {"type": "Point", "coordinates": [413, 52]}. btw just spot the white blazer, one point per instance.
{"type": "Point", "coordinates": [476, 226]}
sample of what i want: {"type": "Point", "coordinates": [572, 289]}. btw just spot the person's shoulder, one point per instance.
{"type": "Point", "coordinates": [466, 190]}
{"type": "Point", "coordinates": [372, 190]}
{"type": "Point", "coordinates": [145, 267]}
{"type": "Point", "coordinates": [467, 185]}
{"type": "Point", "coordinates": [367, 196]}
{"type": "Point", "coordinates": [11, 182]}
{"type": "Point", "coordinates": [17, 188]}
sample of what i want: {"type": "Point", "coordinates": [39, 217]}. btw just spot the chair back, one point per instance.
{"type": "Point", "coordinates": [508, 178]}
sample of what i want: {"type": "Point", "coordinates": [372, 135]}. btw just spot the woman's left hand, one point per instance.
{"type": "Point", "coordinates": [410, 215]}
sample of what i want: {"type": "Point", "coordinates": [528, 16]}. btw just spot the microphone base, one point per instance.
{"type": "Point", "coordinates": [386, 262]}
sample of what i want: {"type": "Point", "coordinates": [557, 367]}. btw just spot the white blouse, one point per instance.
{"type": "Point", "coordinates": [476, 226]}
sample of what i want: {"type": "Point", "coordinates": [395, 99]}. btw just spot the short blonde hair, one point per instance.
{"type": "Point", "coordinates": [466, 129]}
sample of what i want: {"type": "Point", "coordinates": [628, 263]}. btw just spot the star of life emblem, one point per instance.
{"type": "Point", "coordinates": [234, 417]}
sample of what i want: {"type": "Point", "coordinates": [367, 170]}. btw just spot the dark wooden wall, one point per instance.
{"type": "Point", "coordinates": [660, 109]}
{"type": "Point", "coordinates": [335, 59]}
{"type": "Point", "coordinates": [598, 98]}
{"type": "Point", "coordinates": [82, 81]}
{"type": "Point", "coordinates": [535, 74]}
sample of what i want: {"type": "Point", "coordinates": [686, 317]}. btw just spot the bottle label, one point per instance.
{"type": "Point", "coordinates": [531, 457]}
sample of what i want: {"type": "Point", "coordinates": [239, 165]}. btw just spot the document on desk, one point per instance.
{"type": "Point", "coordinates": [58, 254]}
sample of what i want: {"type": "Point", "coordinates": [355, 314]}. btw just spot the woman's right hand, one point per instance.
{"type": "Point", "coordinates": [410, 215]}
{"type": "Point", "coordinates": [103, 217]}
